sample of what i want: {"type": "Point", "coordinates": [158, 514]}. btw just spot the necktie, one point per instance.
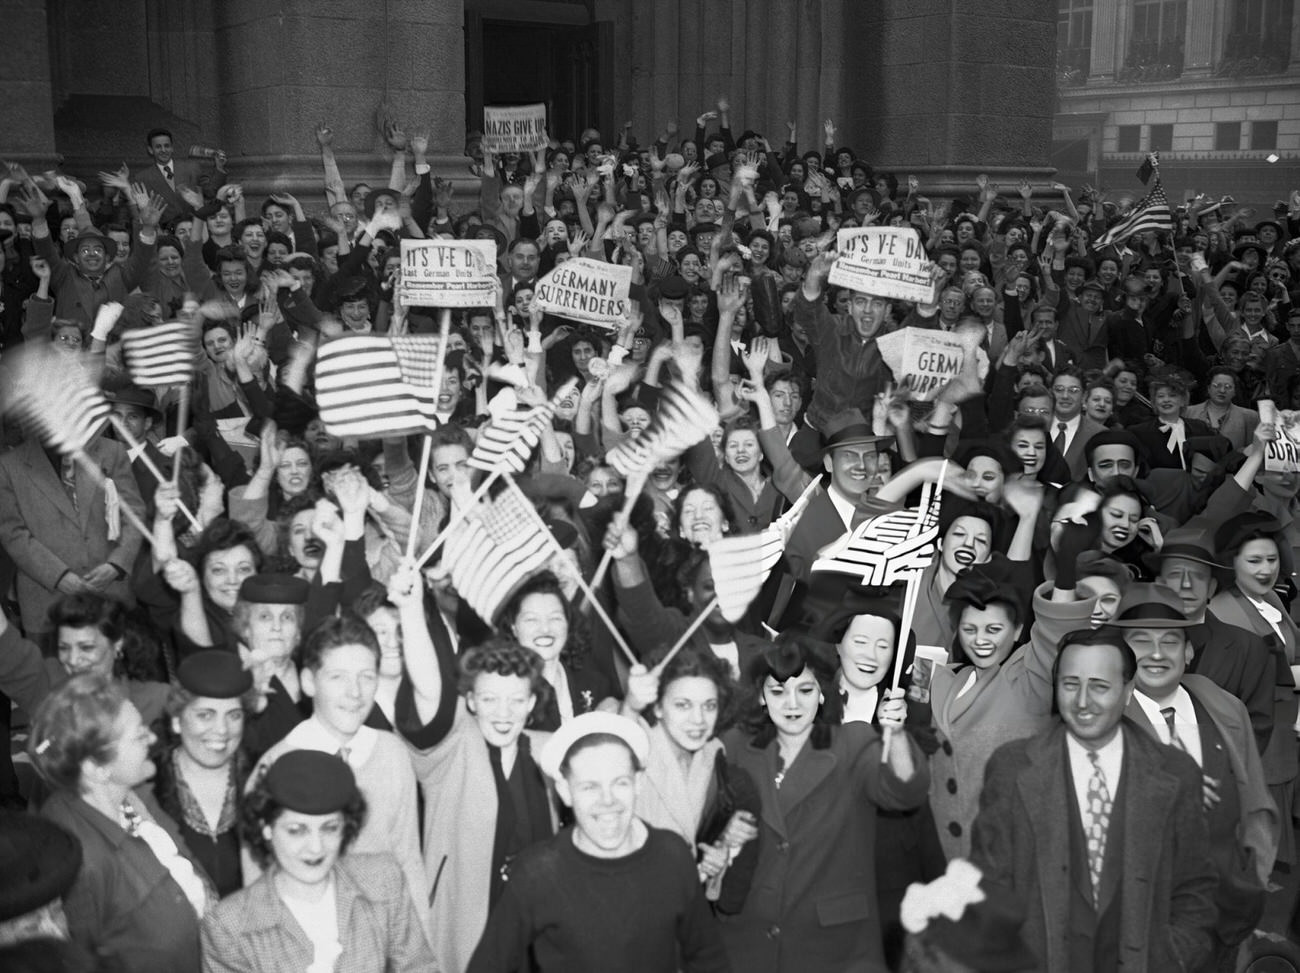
{"type": "Point", "coordinates": [68, 474]}
{"type": "Point", "coordinates": [167, 171]}
{"type": "Point", "coordinates": [1174, 739]}
{"type": "Point", "coordinates": [1096, 824]}
{"type": "Point", "coordinates": [1059, 440]}
{"type": "Point", "coordinates": [344, 754]}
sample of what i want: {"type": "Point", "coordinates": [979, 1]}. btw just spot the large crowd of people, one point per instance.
{"type": "Point", "coordinates": [260, 736]}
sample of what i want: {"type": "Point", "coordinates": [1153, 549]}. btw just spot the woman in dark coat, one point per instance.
{"type": "Point", "coordinates": [812, 904]}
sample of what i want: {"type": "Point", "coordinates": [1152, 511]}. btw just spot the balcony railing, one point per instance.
{"type": "Point", "coordinates": [1249, 55]}
{"type": "Point", "coordinates": [1072, 65]}
{"type": "Point", "coordinates": [1150, 60]}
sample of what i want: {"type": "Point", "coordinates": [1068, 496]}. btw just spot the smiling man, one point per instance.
{"type": "Point", "coordinates": [1190, 713]}
{"type": "Point", "coordinates": [611, 892]}
{"type": "Point", "coordinates": [1098, 828]}
{"type": "Point", "coordinates": [340, 673]}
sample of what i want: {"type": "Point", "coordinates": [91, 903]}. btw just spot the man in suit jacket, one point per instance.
{"type": "Point", "coordinates": [1192, 714]}
{"type": "Point", "coordinates": [166, 174]}
{"type": "Point", "coordinates": [1083, 326]}
{"type": "Point", "coordinates": [1068, 427]}
{"type": "Point", "coordinates": [58, 532]}
{"type": "Point", "coordinates": [1098, 828]}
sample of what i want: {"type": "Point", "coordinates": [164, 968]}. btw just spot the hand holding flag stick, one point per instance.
{"type": "Point", "coordinates": [133, 445]}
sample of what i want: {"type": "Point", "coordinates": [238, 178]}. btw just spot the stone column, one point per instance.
{"type": "Point", "coordinates": [1105, 53]}
{"type": "Point", "coordinates": [1201, 43]}
{"type": "Point", "coordinates": [25, 86]}
{"type": "Point", "coordinates": [287, 67]}
{"type": "Point", "coordinates": [946, 90]}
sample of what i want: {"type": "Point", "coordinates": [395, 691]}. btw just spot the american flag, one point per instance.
{"type": "Point", "coordinates": [505, 443]}
{"type": "Point", "coordinates": [57, 398]}
{"type": "Point", "coordinates": [887, 548]}
{"type": "Point", "coordinates": [1151, 212]}
{"type": "Point", "coordinates": [498, 547]}
{"type": "Point", "coordinates": [683, 419]}
{"type": "Point", "coordinates": [163, 354]}
{"type": "Point", "coordinates": [742, 563]}
{"type": "Point", "coordinates": [372, 386]}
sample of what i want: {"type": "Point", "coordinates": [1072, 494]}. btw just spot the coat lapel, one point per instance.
{"type": "Point", "coordinates": [1045, 787]}
{"type": "Point", "coordinates": [771, 809]}
{"type": "Point", "coordinates": [46, 481]}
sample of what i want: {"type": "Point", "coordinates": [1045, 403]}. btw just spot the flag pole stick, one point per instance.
{"type": "Point", "coordinates": [133, 443]}
{"type": "Point", "coordinates": [95, 473]}
{"type": "Point", "coordinates": [911, 595]}
{"type": "Point", "coordinates": [182, 420]}
{"type": "Point", "coordinates": [694, 627]}
{"type": "Point", "coordinates": [603, 615]}
{"type": "Point", "coordinates": [456, 517]}
{"type": "Point", "coordinates": [421, 484]}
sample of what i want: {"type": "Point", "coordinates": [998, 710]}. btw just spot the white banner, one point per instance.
{"type": "Point", "coordinates": [888, 261]}
{"type": "Point", "coordinates": [924, 360]}
{"type": "Point", "coordinates": [449, 273]}
{"type": "Point", "coordinates": [518, 129]}
{"type": "Point", "coordinates": [1283, 453]}
{"type": "Point", "coordinates": [587, 291]}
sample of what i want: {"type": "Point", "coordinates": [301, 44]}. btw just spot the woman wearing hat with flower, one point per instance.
{"type": "Point", "coordinates": [202, 772]}
{"type": "Point", "coordinates": [138, 899]}
{"type": "Point", "coordinates": [1250, 543]}
{"type": "Point", "coordinates": [315, 908]}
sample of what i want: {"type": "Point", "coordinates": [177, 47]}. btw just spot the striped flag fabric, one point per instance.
{"type": "Point", "coordinates": [374, 386]}
{"type": "Point", "coordinates": [887, 548]}
{"type": "Point", "coordinates": [683, 419]}
{"type": "Point", "coordinates": [494, 551]}
{"type": "Point", "coordinates": [162, 354]}
{"type": "Point", "coordinates": [742, 563]}
{"type": "Point", "coordinates": [57, 398]}
{"type": "Point", "coordinates": [1151, 212]}
{"type": "Point", "coordinates": [505, 443]}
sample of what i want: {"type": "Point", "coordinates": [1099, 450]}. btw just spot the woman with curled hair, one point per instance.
{"type": "Point", "coordinates": [702, 514]}
{"type": "Point", "coordinates": [468, 722]}
{"type": "Point", "coordinates": [541, 619]}
{"type": "Point", "coordinates": [315, 907]}
{"type": "Point", "coordinates": [138, 899]}
{"type": "Point", "coordinates": [202, 771]}
{"type": "Point", "coordinates": [819, 781]}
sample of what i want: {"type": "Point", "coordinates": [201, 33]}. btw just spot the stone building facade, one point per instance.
{"type": "Point", "coordinates": [1213, 84]}
{"type": "Point", "coordinates": [942, 88]}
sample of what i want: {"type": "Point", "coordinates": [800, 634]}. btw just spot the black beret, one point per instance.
{"type": "Point", "coordinates": [39, 861]}
{"type": "Point", "coordinates": [274, 589]}
{"type": "Point", "coordinates": [673, 288]}
{"type": "Point", "coordinates": [1113, 437]}
{"type": "Point", "coordinates": [311, 782]}
{"type": "Point", "coordinates": [214, 673]}
{"type": "Point", "coordinates": [1234, 532]}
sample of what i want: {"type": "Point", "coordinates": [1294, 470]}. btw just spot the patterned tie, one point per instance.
{"type": "Point", "coordinates": [167, 171]}
{"type": "Point", "coordinates": [1096, 824]}
{"type": "Point", "coordinates": [1174, 739]}
{"type": "Point", "coordinates": [1059, 441]}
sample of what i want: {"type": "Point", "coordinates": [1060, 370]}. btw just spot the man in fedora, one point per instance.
{"type": "Point", "coordinates": [1192, 714]}
{"type": "Point", "coordinates": [137, 410]}
{"type": "Point", "coordinates": [852, 454]}
{"type": "Point", "coordinates": [82, 274]}
{"type": "Point", "coordinates": [1233, 658]}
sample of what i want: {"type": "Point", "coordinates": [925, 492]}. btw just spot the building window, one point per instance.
{"type": "Point", "coordinates": [1073, 41]}
{"type": "Point", "coordinates": [1263, 135]}
{"type": "Point", "coordinates": [1259, 38]}
{"type": "Point", "coordinates": [1130, 138]}
{"type": "Point", "coordinates": [1227, 136]}
{"type": "Point", "coordinates": [1155, 47]}
{"type": "Point", "coordinates": [1162, 138]}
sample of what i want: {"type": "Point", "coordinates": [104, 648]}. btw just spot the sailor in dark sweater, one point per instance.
{"type": "Point", "coordinates": [610, 893]}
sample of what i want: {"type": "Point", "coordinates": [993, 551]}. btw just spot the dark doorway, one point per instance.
{"type": "Point", "coordinates": [564, 66]}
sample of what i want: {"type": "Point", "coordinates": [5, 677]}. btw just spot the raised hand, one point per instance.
{"type": "Point", "coordinates": [1025, 189]}
{"type": "Point", "coordinates": [193, 198]}
{"type": "Point", "coordinates": [34, 203]}
{"type": "Point", "coordinates": [324, 136]}
{"type": "Point", "coordinates": [394, 136]}
{"type": "Point", "coordinates": [419, 144]}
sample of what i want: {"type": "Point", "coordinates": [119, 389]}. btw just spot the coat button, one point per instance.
{"type": "Point", "coordinates": [947, 748]}
{"type": "Point", "coordinates": [783, 846]}
{"type": "Point", "coordinates": [952, 786]}
{"type": "Point", "coordinates": [773, 932]}
{"type": "Point", "coordinates": [954, 829]}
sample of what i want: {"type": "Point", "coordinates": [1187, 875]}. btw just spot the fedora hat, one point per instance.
{"type": "Point", "coordinates": [91, 234]}
{"type": "Point", "coordinates": [1148, 605]}
{"type": "Point", "coordinates": [1188, 543]}
{"type": "Point", "coordinates": [133, 395]}
{"type": "Point", "coordinates": [850, 428]}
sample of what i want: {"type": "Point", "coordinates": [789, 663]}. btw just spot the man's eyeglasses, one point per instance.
{"type": "Point", "coordinates": [1067, 389]}
{"type": "Point", "coordinates": [68, 339]}
{"type": "Point", "coordinates": [1025, 410]}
